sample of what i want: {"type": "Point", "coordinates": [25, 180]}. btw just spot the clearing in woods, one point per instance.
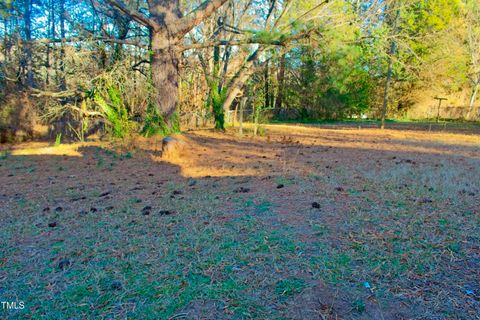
{"type": "Point", "coordinates": [304, 223]}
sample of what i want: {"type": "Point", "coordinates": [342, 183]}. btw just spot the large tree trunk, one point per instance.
{"type": "Point", "coordinates": [165, 57]}
{"type": "Point", "coordinates": [165, 75]}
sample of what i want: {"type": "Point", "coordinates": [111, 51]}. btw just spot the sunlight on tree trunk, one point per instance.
{"type": "Point", "coordinates": [165, 76]}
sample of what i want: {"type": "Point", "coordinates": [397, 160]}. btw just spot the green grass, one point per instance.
{"type": "Point", "coordinates": [199, 262]}
{"type": "Point", "coordinates": [58, 140]}
{"type": "Point", "coordinates": [4, 154]}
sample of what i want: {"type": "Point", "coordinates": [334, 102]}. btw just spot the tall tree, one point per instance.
{"type": "Point", "coordinates": [63, 85]}
{"type": "Point", "coordinates": [28, 56]}
{"type": "Point", "coordinates": [392, 20]}
{"type": "Point", "coordinates": [281, 84]}
{"type": "Point", "coordinates": [168, 28]}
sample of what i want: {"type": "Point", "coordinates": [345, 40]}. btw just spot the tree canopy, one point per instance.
{"type": "Point", "coordinates": [152, 65]}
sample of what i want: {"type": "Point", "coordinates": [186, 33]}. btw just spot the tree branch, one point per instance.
{"type": "Point", "coordinates": [225, 43]}
{"type": "Point", "coordinates": [305, 14]}
{"type": "Point", "coordinates": [135, 15]}
{"type": "Point", "coordinates": [53, 94]}
{"type": "Point", "coordinates": [273, 42]}
{"type": "Point", "coordinates": [86, 112]}
{"type": "Point", "coordinates": [194, 18]}
{"type": "Point", "coordinates": [82, 39]}
{"type": "Point", "coordinates": [136, 65]}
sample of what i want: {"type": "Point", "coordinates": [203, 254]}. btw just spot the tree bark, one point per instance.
{"type": "Point", "coordinates": [240, 78]}
{"type": "Point", "coordinates": [281, 81]}
{"type": "Point", "coordinates": [165, 75]}
{"type": "Point", "coordinates": [165, 57]}
{"type": "Point", "coordinates": [62, 83]}
{"type": "Point", "coordinates": [51, 32]}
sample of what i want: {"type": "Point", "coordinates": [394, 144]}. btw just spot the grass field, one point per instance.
{"type": "Point", "coordinates": [306, 222]}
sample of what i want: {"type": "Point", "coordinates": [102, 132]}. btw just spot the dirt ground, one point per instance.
{"type": "Point", "coordinates": [304, 222]}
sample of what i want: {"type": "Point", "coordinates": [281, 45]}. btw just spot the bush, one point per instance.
{"type": "Point", "coordinates": [17, 118]}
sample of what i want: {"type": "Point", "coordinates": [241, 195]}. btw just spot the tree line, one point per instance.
{"type": "Point", "coordinates": [147, 65]}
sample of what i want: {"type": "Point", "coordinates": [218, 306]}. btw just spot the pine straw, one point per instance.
{"type": "Point", "coordinates": [397, 211]}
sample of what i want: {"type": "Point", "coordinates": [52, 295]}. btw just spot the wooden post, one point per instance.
{"type": "Point", "coordinates": [439, 106]}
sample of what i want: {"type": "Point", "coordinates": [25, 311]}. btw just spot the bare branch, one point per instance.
{"type": "Point", "coordinates": [205, 10]}
{"type": "Point", "coordinates": [305, 14]}
{"type": "Point", "coordinates": [136, 65]}
{"type": "Point", "coordinates": [53, 94]}
{"type": "Point", "coordinates": [135, 15]}
{"type": "Point", "coordinates": [86, 113]}
{"type": "Point", "coordinates": [84, 39]}
{"type": "Point", "coordinates": [273, 42]}
{"type": "Point", "coordinates": [226, 43]}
